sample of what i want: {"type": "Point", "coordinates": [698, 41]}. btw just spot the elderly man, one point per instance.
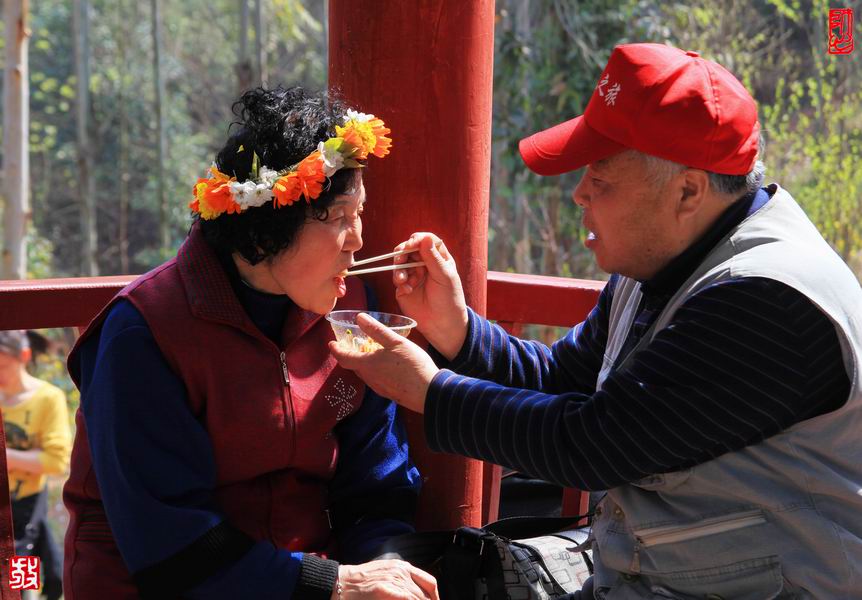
{"type": "Point", "coordinates": [714, 391]}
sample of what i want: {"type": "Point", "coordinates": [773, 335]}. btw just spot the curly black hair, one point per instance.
{"type": "Point", "coordinates": [282, 126]}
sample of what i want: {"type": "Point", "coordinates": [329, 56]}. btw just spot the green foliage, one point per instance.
{"type": "Point", "coordinates": [199, 57]}
{"type": "Point", "coordinates": [790, 10]}
{"type": "Point", "coordinates": [40, 257]}
{"type": "Point", "coordinates": [819, 158]}
{"type": "Point", "coordinates": [808, 100]}
{"type": "Point", "coordinates": [549, 56]}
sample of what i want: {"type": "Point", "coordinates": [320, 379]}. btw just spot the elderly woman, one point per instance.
{"type": "Point", "coordinates": [221, 451]}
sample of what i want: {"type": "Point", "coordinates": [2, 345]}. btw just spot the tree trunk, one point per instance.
{"type": "Point", "coordinates": [86, 184]}
{"type": "Point", "coordinates": [551, 251]}
{"type": "Point", "coordinates": [16, 138]}
{"type": "Point", "coordinates": [523, 242]}
{"type": "Point", "coordinates": [325, 22]}
{"type": "Point", "coordinates": [162, 146]}
{"type": "Point", "coordinates": [259, 48]}
{"type": "Point", "coordinates": [244, 70]}
{"type": "Point", "coordinates": [500, 250]}
{"type": "Point", "coordinates": [123, 166]}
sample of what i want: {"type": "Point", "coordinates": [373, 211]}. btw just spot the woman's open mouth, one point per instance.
{"type": "Point", "coordinates": [340, 284]}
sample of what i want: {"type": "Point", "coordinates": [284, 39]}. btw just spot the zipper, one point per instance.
{"type": "Point", "coordinates": [671, 534]}
{"type": "Point", "coordinates": [287, 400]}
{"type": "Point", "coordinates": [284, 369]}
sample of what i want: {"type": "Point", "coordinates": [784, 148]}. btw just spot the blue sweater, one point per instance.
{"type": "Point", "coordinates": [157, 472]}
{"type": "Point", "coordinates": [741, 360]}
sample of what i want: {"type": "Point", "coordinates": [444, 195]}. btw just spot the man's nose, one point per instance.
{"type": "Point", "coordinates": [581, 196]}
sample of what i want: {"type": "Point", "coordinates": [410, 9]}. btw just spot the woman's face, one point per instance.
{"type": "Point", "coordinates": [310, 271]}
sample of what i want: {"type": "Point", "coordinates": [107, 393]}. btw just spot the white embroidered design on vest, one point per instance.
{"type": "Point", "coordinates": [344, 394]}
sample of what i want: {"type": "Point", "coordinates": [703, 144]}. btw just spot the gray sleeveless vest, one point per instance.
{"type": "Point", "coordinates": [778, 519]}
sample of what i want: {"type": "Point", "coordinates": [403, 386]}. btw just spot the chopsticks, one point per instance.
{"type": "Point", "coordinates": [366, 261]}
{"type": "Point", "coordinates": [386, 268]}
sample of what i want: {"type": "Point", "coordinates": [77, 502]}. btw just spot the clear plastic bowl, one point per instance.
{"type": "Point", "coordinates": [348, 333]}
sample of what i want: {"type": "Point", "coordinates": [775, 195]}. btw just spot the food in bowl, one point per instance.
{"type": "Point", "coordinates": [350, 335]}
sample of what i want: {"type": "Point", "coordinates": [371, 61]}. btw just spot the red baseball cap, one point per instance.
{"type": "Point", "coordinates": [661, 101]}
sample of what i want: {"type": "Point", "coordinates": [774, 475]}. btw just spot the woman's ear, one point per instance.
{"type": "Point", "coordinates": [693, 190]}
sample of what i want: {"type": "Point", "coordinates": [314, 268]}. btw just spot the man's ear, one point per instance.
{"type": "Point", "coordinates": [26, 355]}
{"type": "Point", "coordinates": [693, 190]}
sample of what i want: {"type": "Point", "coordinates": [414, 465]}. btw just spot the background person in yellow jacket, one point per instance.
{"type": "Point", "coordinates": [38, 444]}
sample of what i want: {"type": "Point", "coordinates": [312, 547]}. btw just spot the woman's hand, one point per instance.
{"type": "Point", "coordinates": [400, 370]}
{"type": "Point", "coordinates": [432, 295]}
{"type": "Point", "coordinates": [385, 579]}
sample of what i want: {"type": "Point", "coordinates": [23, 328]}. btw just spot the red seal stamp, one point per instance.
{"type": "Point", "coordinates": [840, 30]}
{"type": "Point", "coordinates": [24, 573]}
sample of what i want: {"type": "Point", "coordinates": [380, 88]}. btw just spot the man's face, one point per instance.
{"type": "Point", "coordinates": [630, 216]}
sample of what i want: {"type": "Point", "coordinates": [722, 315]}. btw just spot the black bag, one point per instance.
{"type": "Point", "coordinates": [28, 517]}
{"type": "Point", "coordinates": [520, 558]}
{"type": "Point", "coordinates": [33, 537]}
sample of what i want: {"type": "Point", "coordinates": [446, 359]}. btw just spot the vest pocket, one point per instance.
{"type": "Point", "coordinates": [727, 559]}
{"type": "Point", "coordinates": [757, 579]}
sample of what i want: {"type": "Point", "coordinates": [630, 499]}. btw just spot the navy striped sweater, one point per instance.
{"type": "Point", "coordinates": [740, 361]}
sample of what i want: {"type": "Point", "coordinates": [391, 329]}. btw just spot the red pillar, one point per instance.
{"type": "Point", "coordinates": [425, 67]}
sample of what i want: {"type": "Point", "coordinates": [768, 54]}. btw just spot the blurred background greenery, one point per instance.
{"type": "Point", "coordinates": [548, 56]}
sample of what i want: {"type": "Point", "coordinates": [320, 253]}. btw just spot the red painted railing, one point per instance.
{"type": "Point", "coordinates": [514, 300]}
{"type": "Point", "coordinates": [39, 303]}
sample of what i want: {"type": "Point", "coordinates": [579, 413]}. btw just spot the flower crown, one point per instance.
{"type": "Point", "coordinates": [361, 135]}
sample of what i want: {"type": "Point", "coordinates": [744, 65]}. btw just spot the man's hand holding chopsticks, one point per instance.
{"type": "Point", "coordinates": [432, 295]}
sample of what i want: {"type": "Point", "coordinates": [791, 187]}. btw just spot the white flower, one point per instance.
{"type": "Point", "coordinates": [359, 117]}
{"type": "Point", "coordinates": [242, 192]}
{"type": "Point", "coordinates": [261, 194]}
{"type": "Point", "coordinates": [332, 159]}
{"type": "Point", "coordinates": [268, 176]}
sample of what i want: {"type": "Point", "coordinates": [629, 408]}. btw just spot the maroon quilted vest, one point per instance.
{"type": "Point", "coordinates": [269, 410]}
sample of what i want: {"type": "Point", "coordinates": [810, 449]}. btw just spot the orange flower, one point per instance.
{"type": "Point", "coordinates": [311, 176]}
{"type": "Point", "coordinates": [212, 196]}
{"type": "Point", "coordinates": [287, 190]}
{"type": "Point", "coordinates": [359, 135]}
{"type": "Point", "coordinates": [381, 148]}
